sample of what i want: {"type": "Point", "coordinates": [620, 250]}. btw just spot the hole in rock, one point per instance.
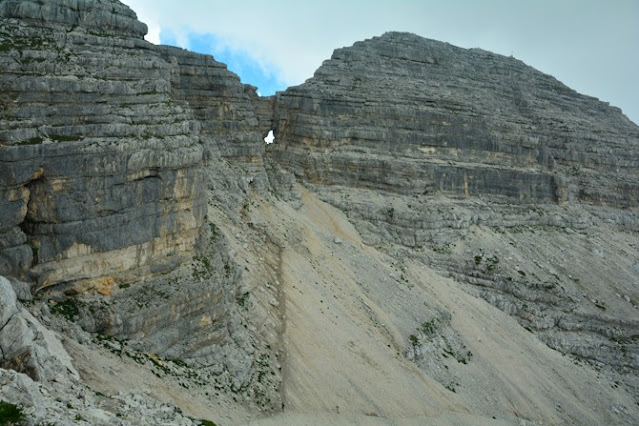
{"type": "Point", "coordinates": [270, 138]}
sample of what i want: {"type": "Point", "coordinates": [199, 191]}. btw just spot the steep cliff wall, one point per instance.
{"type": "Point", "coordinates": [404, 114]}
{"type": "Point", "coordinates": [477, 164]}
{"type": "Point", "coordinates": [112, 151]}
{"type": "Point", "coordinates": [102, 177]}
{"type": "Point", "coordinates": [136, 175]}
{"type": "Point", "coordinates": [220, 102]}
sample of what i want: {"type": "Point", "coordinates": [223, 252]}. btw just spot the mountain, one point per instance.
{"type": "Point", "coordinates": [437, 235]}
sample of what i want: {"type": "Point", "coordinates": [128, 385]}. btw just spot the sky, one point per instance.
{"type": "Point", "coordinates": [590, 45]}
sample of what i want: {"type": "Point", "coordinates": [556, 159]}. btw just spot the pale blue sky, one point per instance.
{"type": "Point", "coordinates": [592, 46]}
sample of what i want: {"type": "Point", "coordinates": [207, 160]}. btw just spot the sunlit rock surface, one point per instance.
{"type": "Point", "coordinates": [428, 225]}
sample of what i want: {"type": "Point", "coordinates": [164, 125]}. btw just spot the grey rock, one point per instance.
{"type": "Point", "coordinates": [224, 106]}
{"type": "Point", "coordinates": [104, 16]}
{"type": "Point", "coordinates": [8, 302]}
{"type": "Point", "coordinates": [22, 289]}
{"type": "Point", "coordinates": [52, 402]}
{"type": "Point", "coordinates": [419, 142]}
{"type": "Point", "coordinates": [474, 124]}
{"type": "Point", "coordinates": [112, 150]}
{"type": "Point", "coordinates": [99, 168]}
{"type": "Point", "coordinates": [233, 124]}
{"type": "Point", "coordinates": [26, 345]}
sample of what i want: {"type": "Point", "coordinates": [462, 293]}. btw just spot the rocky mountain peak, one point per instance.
{"type": "Point", "coordinates": [97, 16]}
{"type": "Point", "coordinates": [461, 111]}
{"type": "Point", "coordinates": [437, 234]}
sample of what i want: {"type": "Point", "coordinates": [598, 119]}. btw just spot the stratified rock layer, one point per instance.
{"type": "Point", "coordinates": [422, 143]}
{"type": "Point", "coordinates": [101, 172]}
{"type": "Point", "coordinates": [231, 130]}
{"type": "Point", "coordinates": [220, 102]}
{"type": "Point", "coordinates": [135, 175]}
{"type": "Point", "coordinates": [404, 114]}
{"type": "Point", "coordinates": [111, 152]}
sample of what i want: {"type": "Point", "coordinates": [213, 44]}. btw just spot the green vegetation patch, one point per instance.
{"type": "Point", "coordinates": [414, 340]}
{"type": "Point", "coordinates": [10, 414]}
{"type": "Point", "coordinates": [69, 308]}
{"type": "Point", "coordinates": [32, 141]}
{"type": "Point", "coordinates": [203, 422]}
{"type": "Point", "coordinates": [202, 268]}
{"type": "Point", "coordinates": [429, 327]}
{"type": "Point", "coordinates": [241, 300]}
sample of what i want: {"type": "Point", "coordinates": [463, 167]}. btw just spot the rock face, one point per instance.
{"type": "Point", "coordinates": [111, 151]}
{"type": "Point", "coordinates": [422, 143]}
{"type": "Point", "coordinates": [413, 116]}
{"type": "Point", "coordinates": [101, 172]}
{"type": "Point", "coordinates": [232, 122]}
{"type": "Point", "coordinates": [27, 346]}
{"type": "Point", "coordinates": [37, 374]}
{"type": "Point", "coordinates": [224, 107]}
{"type": "Point", "coordinates": [137, 195]}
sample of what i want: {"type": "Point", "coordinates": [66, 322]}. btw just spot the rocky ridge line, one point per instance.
{"type": "Point", "coordinates": [132, 177]}
{"type": "Point", "coordinates": [422, 144]}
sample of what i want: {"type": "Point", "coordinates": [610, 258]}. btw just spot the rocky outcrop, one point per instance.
{"type": "Point", "coordinates": [26, 346]}
{"type": "Point", "coordinates": [220, 102]}
{"type": "Point", "coordinates": [37, 376]}
{"type": "Point", "coordinates": [233, 121]}
{"type": "Point", "coordinates": [136, 193]}
{"type": "Point", "coordinates": [413, 116]}
{"type": "Point", "coordinates": [422, 143]}
{"type": "Point", "coordinates": [102, 177]}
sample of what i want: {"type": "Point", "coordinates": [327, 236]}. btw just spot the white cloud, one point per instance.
{"type": "Point", "coordinates": [154, 34]}
{"type": "Point", "coordinates": [588, 44]}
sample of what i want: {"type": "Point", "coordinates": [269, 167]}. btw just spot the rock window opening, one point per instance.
{"type": "Point", "coordinates": [270, 138]}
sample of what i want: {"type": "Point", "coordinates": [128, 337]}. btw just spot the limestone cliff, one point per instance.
{"type": "Point", "coordinates": [108, 148]}
{"type": "Point", "coordinates": [153, 241]}
{"type": "Point", "coordinates": [101, 170]}
{"type": "Point", "coordinates": [413, 116]}
{"type": "Point", "coordinates": [475, 164]}
{"type": "Point", "coordinates": [224, 107]}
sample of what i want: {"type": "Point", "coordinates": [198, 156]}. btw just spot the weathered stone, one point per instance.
{"type": "Point", "coordinates": [26, 345]}
{"type": "Point", "coordinates": [232, 119]}
{"type": "Point", "coordinates": [100, 16]}
{"type": "Point", "coordinates": [219, 101]}
{"type": "Point", "coordinates": [413, 116]}
{"type": "Point", "coordinates": [419, 142]}
{"type": "Point", "coordinates": [101, 171]}
{"type": "Point", "coordinates": [487, 171]}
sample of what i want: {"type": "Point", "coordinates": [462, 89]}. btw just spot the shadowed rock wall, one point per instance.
{"type": "Point", "coordinates": [101, 175]}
